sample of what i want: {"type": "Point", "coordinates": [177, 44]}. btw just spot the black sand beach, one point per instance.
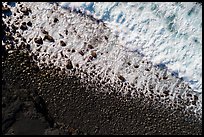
{"type": "Point", "coordinates": [48, 101]}
{"type": "Point", "coordinates": [63, 99]}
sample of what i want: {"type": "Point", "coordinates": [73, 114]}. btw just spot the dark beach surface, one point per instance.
{"type": "Point", "coordinates": [48, 101]}
{"type": "Point", "coordinates": [37, 102]}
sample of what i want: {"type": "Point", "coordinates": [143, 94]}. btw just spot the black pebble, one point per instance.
{"type": "Point", "coordinates": [194, 102]}
{"type": "Point", "coordinates": [66, 32]}
{"type": "Point", "coordinates": [25, 10]}
{"type": "Point", "coordinates": [81, 52]}
{"type": "Point", "coordinates": [166, 92]}
{"type": "Point", "coordinates": [55, 20]}
{"type": "Point", "coordinates": [90, 46]}
{"type": "Point", "coordinates": [195, 97]}
{"type": "Point", "coordinates": [147, 69]}
{"type": "Point", "coordinates": [189, 95]}
{"type": "Point", "coordinates": [69, 64]}
{"type": "Point", "coordinates": [18, 34]}
{"type": "Point", "coordinates": [14, 27]}
{"type": "Point", "coordinates": [44, 31]}
{"type": "Point", "coordinates": [121, 78]}
{"type": "Point", "coordinates": [106, 38]}
{"type": "Point", "coordinates": [23, 39]}
{"type": "Point", "coordinates": [24, 23]}
{"type": "Point", "coordinates": [73, 50]}
{"type": "Point", "coordinates": [29, 24]}
{"type": "Point", "coordinates": [93, 53]}
{"type": "Point", "coordinates": [38, 40]}
{"type": "Point", "coordinates": [48, 37]}
{"type": "Point", "coordinates": [136, 66]}
{"type": "Point", "coordinates": [23, 27]}
{"type": "Point", "coordinates": [21, 17]}
{"type": "Point", "coordinates": [62, 43]}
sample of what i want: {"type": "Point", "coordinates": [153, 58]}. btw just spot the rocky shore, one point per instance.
{"type": "Point", "coordinates": [49, 100]}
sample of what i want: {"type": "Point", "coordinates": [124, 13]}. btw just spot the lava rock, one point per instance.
{"type": "Point", "coordinates": [136, 66]}
{"type": "Point", "coordinates": [73, 50]}
{"type": "Point", "coordinates": [166, 92]}
{"type": "Point", "coordinates": [195, 97]}
{"type": "Point", "coordinates": [93, 54]}
{"type": "Point", "coordinates": [106, 38]}
{"type": "Point", "coordinates": [48, 37]}
{"type": "Point", "coordinates": [25, 10]}
{"type": "Point", "coordinates": [44, 31]}
{"type": "Point", "coordinates": [69, 64]}
{"type": "Point", "coordinates": [14, 27]}
{"type": "Point", "coordinates": [81, 52]}
{"type": "Point", "coordinates": [24, 23]}
{"type": "Point", "coordinates": [23, 27]}
{"type": "Point", "coordinates": [121, 78]}
{"type": "Point", "coordinates": [62, 43]}
{"type": "Point", "coordinates": [90, 46]}
{"type": "Point", "coordinates": [29, 24]}
{"type": "Point", "coordinates": [55, 20]}
{"type": "Point", "coordinates": [38, 40]}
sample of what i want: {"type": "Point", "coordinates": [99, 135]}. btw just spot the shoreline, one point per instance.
{"type": "Point", "coordinates": [92, 105]}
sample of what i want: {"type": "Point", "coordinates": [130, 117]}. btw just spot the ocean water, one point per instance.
{"type": "Point", "coordinates": [169, 34]}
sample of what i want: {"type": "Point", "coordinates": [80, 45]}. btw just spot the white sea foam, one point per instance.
{"type": "Point", "coordinates": [166, 33]}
